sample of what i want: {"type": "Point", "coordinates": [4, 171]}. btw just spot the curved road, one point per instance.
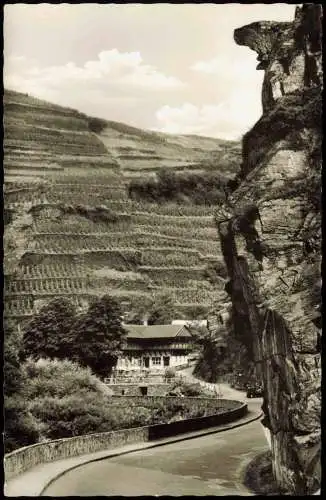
{"type": "Point", "coordinates": [207, 465]}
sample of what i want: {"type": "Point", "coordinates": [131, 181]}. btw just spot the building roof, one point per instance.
{"type": "Point", "coordinates": [156, 331]}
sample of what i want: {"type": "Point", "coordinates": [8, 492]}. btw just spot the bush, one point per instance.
{"type": "Point", "coordinates": [170, 373]}
{"type": "Point", "coordinates": [56, 378]}
{"type": "Point", "coordinates": [186, 389]}
{"type": "Point", "coordinates": [207, 188]}
{"type": "Point", "coordinates": [73, 415]}
{"type": "Point", "coordinates": [21, 428]}
{"type": "Point", "coordinates": [68, 399]}
{"type": "Point", "coordinates": [96, 125]}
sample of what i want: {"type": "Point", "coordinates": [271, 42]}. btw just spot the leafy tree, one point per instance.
{"type": "Point", "coordinates": [161, 311]}
{"type": "Point", "coordinates": [98, 336]}
{"type": "Point", "coordinates": [13, 377]}
{"type": "Point", "coordinates": [196, 312]}
{"type": "Point", "coordinates": [139, 312]}
{"type": "Point", "coordinates": [47, 334]}
{"type": "Point", "coordinates": [21, 428]}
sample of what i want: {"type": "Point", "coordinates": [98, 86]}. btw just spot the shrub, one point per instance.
{"type": "Point", "coordinates": [21, 428]}
{"type": "Point", "coordinates": [67, 399]}
{"type": "Point", "coordinates": [170, 373]}
{"type": "Point", "coordinates": [57, 378]}
{"type": "Point", "coordinates": [73, 415]}
{"type": "Point", "coordinates": [96, 125]}
{"type": "Point", "coordinates": [186, 389]}
{"type": "Point", "coordinates": [206, 188]}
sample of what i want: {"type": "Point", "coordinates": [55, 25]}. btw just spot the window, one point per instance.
{"type": "Point", "coordinates": [156, 360]}
{"type": "Point", "coordinates": [166, 361]}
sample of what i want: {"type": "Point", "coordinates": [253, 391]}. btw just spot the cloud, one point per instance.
{"type": "Point", "coordinates": [227, 120]}
{"type": "Point", "coordinates": [228, 67]}
{"type": "Point", "coordinates": [111, 68]}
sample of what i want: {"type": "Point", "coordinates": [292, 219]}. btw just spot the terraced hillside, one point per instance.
{"type": "Point", "coordinates": [71, 229]}
{"type": "Point", "coordinates": [141, 153]}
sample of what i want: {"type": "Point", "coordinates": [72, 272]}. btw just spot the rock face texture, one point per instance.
{"type": "Point", "coordinates": [270, 238]}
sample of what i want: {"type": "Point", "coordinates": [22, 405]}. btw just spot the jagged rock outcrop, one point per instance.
{"type": "Point", "coordinates": [290, 53]}
{"type": "Point", "coordinates": [270, 238]}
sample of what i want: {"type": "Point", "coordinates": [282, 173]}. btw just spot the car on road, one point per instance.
{"type": "Point", "coordinates": [254, 391]}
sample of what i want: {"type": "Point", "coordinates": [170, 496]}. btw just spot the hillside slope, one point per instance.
{"type": "Point", "coordinates": [142, 153]}
{"type": "Point", "coordinates": [71, 229]}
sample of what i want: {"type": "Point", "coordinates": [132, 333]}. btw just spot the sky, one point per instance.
{"type": "Point", "coordinates": [173, 68]}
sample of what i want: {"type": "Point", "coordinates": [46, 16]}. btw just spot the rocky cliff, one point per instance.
{"type": "Point", "coordinates": [270, 237]}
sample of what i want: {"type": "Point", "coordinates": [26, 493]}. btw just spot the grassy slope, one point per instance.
{"type": "Point", "coordinates": [59, 169]}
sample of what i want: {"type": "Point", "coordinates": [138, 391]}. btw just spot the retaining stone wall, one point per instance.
{"type": "Point", "coordinates": [25, 458]}
{"type": "Point", "coordinates": [135, 389]}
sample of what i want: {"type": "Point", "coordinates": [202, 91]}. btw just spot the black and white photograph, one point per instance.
{"type": "Point", "coordinates": [162, 209]}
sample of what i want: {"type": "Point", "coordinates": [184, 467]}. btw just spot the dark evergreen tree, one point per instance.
{"type": "Point", "coordinates": [98, 336]}
{"type": "Point", "coordinates": [48, 333]}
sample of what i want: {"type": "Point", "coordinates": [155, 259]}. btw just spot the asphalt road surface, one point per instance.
{"type": "Point", "coordinates": [207, 465]}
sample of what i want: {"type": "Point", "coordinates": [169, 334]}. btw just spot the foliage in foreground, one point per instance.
{"type": "Point", "coordinates": [62, 399]}
{"type": "Point", "coordinates": [68, 399]}
{"type": "Point", "coordinates": [21, 428]}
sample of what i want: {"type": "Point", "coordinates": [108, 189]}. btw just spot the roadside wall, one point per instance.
{"type": "Point", "coordinates": [25, 458]}
{"type": "Point", "coordinates": [128, 389]}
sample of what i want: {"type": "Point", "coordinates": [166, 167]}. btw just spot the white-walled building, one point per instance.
{"type": "Point", "coordinates": [155, 347]}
